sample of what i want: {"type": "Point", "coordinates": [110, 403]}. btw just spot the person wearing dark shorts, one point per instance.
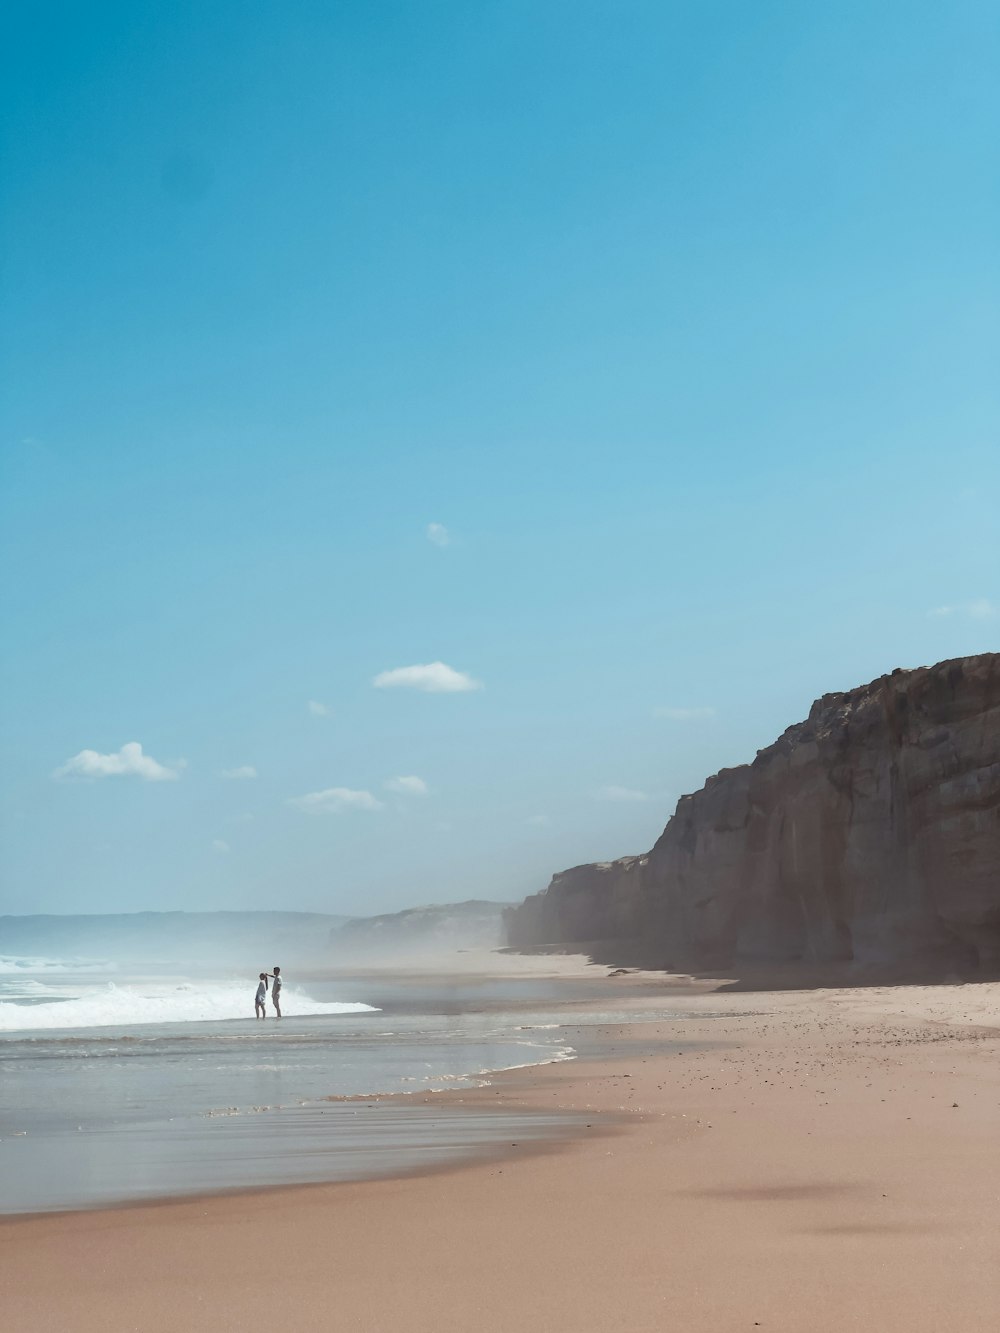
{"type": "Point", "coordinates": [276, 991]}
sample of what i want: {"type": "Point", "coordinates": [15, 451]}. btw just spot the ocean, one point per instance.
{"type": "Point", "coordinates": [123, 1087]}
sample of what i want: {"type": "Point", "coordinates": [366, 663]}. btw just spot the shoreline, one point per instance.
{"type": "Point", "coordinates": [819, 1160]}
{"type": "Point", "coordinates": [262, 1116]}
{"type": "Point", "coordinates": [315, 1140]}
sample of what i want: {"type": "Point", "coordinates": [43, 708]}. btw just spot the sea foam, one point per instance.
{"type": "Point", "coordinates": [31, 1005]}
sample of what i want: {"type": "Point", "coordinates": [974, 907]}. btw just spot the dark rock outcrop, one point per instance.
{"type": "Point", "coordinates": [871, 832]}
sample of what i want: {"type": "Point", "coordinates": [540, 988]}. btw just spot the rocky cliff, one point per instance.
{"type": "Point", "coordinates": [871, 831]}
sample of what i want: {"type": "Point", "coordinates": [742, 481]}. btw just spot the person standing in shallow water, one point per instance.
{"type": "Point", "coordinates": [276, 990]}
{"type": "Point", "coordinates": [258, 1004]}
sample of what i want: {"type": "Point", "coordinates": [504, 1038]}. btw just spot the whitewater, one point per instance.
{"type": "Point", "coordinates": [29, 1004]}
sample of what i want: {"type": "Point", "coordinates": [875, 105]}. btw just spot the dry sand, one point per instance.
{"type": "Point", "coordinates": [811, 1161]}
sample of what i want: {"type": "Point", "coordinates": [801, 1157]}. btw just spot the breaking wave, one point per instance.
{"type": "Point", "coordinates": [31, 1004]}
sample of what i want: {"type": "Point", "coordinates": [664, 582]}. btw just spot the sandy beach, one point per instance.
{"type": "Point", "coordinates": [788, 1160]}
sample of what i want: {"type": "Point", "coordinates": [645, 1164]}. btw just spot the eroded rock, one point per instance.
{"type": "Point", "coordinates": [870, 831]}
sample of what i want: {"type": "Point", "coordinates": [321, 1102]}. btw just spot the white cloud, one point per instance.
{"type": "Point", "coordinates": [980, 608]}
{"type": "Point", "coordinates": [438, 534]}
{"type": "Point", "coordinates": [434, 678]}
{"type": "Point", "coordinates": [220, 845]}
{"type": "Point", "coordinates": [684, 714]}
{"type": "Point", "coordinates": [236, 774]}
{"type": "Point", "coordinates": [538, 821]}
{"type": "Point", "coordinates": [317, 709]}
{"type": "Point", "coordinates": [407, 786]}
{"type": "Point", "coordinates": [128, 762]}
{"type": "Point", "coordinates": [620, 794]}
{"type": "Point", "coordinates": [335, 800]}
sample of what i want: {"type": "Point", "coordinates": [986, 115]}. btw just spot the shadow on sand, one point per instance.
{"type": "Point", "coordinates": [732, 976]}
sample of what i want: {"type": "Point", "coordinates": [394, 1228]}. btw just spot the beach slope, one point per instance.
{"type": "Point", "coordinates": [808, 1160]}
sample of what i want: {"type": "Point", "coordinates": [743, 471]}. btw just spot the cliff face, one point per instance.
{"type": "Point", "coordinates": [870, 831]}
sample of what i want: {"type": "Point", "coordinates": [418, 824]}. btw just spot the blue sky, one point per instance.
{"type": "Point", "coordinates": [680, 320]}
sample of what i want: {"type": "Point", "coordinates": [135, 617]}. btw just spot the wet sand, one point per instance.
{"type": "Point", "coordinates": [820, 1160]}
